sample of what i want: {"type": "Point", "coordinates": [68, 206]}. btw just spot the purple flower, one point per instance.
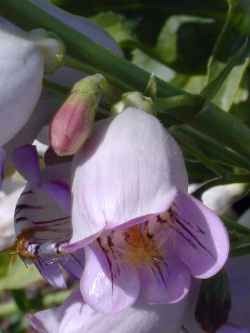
{"type": "Point", "coordinates": [74, 316]}
{"type": "Point", "coordinates": [232, 329]}
{"type": "Point", "coordinates": [42, 218]}
{"type": "Point", "coordinates": [2, 161]}
{"type": "Point", "coordinates": [144, 236]}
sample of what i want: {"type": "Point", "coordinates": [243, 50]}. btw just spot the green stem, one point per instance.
{"type": "Point", "coordinates": [88, 69]}
{"type": "Point", "coordinates": [210, 120]}
{"type": "Point", "coordinates": [49, 300]}
{"type": "Point", "coordinates": [214, 149]}
{"type": "Point", "coordinates": [60, 90]}
{"type": "Point", "coordinates": [86, 50]}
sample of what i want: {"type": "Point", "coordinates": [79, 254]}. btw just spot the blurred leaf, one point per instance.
{"type": "Point", "coordinates": [223, 88]}
{"type": "Point", "coordinates": [4, 264]}
{"type": "Point", "coordinates": [228, 43]}
{"type": "Point", "coordinates": [192, 84]}
{"type": "Point", "coordinates": [118, 26]}
{"type": "Point", "coordinates": [240, 18]}
{"type": "Point", "coordinates": [215, 151]}
{"type": "Point", "coordinates": [210, 8]}
{"type": "Point", "coordinates": [151, 65]}
{"type": "Point", "coordinates": [178, 40]}
{"type": "Point", "coordinates": [19, 276]}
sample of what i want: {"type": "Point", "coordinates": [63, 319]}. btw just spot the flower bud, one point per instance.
{"type": "Point", "coordinates": [51, 47]}
{"type": "Point", "coordinates": [133, 99]}
{"type": "Point", "coordinates": [73, 122]}
{"type": "Point", "coordinates": [214, 303]}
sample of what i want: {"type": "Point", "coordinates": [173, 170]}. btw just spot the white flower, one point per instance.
{"type": "Point", "coordinates": [23, 59]}
{"type": "Point", "coordinates": [21, 67]}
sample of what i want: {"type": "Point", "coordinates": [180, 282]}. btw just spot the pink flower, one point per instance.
{"type": "Point", "coordinates": [73, 122]}
{"type": "Point", "coordinates": [232, 329]}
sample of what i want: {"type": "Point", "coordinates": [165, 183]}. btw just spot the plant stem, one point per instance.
{"type": "Point", "coordinates": [85, 50]}
{"type": "Point", "coordinates": [49, 300]}
{"type": "Point", "coordinates": [88, 69]}
{"type": "Point", "coordinates": [209, 120]}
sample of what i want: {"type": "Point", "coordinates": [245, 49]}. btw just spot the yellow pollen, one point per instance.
{"type": "Point", "coordinates": [141, 247]}
{"type": "Point", "coordinates": [22, 244]}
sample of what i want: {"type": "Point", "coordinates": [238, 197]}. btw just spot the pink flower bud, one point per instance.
{"type": "Point", "coordinates": [73, 122]}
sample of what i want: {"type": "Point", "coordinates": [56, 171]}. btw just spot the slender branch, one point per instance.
{"type": "Point", "coordinates": [210, 120]}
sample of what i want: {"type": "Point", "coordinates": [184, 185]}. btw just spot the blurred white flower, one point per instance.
{"type": "Point", "coordinates": [21, 67]}
{"type": "Point", "coordinates": [220, 198]}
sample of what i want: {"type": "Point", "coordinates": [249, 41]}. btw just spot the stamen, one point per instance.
{"type": "Point", "coordinates": [141, 247]}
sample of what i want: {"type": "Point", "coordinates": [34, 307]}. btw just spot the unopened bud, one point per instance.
{"type": "Point", "coordinates": [133, 99]}
{"type": "Point", "coordinates": [214, 303]}
{"type": "Point", "coordinates": [73, 122]}
{"type": "Point", "coordinates": [51, 47]}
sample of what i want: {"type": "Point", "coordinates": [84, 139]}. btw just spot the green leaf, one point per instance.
{"type": "Point", "coordinates": [210, 120]}
{"type": "Point", "coordinates": [118, 26]}
{"type": "Point", "coordinates": [151, 65]}
{"type": "Point", "coordinates": [4, 263]}
{"type": "Point", "coordinates": [229, 58]}
{"type": "Point", "coordinates": [19, 276]}
{"type": "Point", "coordinates": [178, 40]}
{"type": "Point", "coordinates": [191, 84]}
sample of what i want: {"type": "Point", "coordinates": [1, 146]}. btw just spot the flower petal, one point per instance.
{"type": "Point", "coordinates": [131, 167]}
{"type": "Point", "coordinates": [26, 161]}
{"type": "Point", "coordinates": [164, 282]}
{"type": "Point", "coordinates": [107, 285]}
{"type": "Point", "coordinates": [60, 192]}
{"type": "Point", "coordinates": [232, 329]}
{"type": "Point", "coordinates": [52, 272]}
{"type": "Point", "coordinates": [76, 317]}
{"type": "Point", "coordinates": [18, 98]}
{"type": "Point", "coordinates": [2, 161]}
{"type": "Point", "coordinates": [73, 263]}
{"type": "Point", "coordinates": [42, 227]}
{"type": "Point", "coordinates": [201, 239]}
